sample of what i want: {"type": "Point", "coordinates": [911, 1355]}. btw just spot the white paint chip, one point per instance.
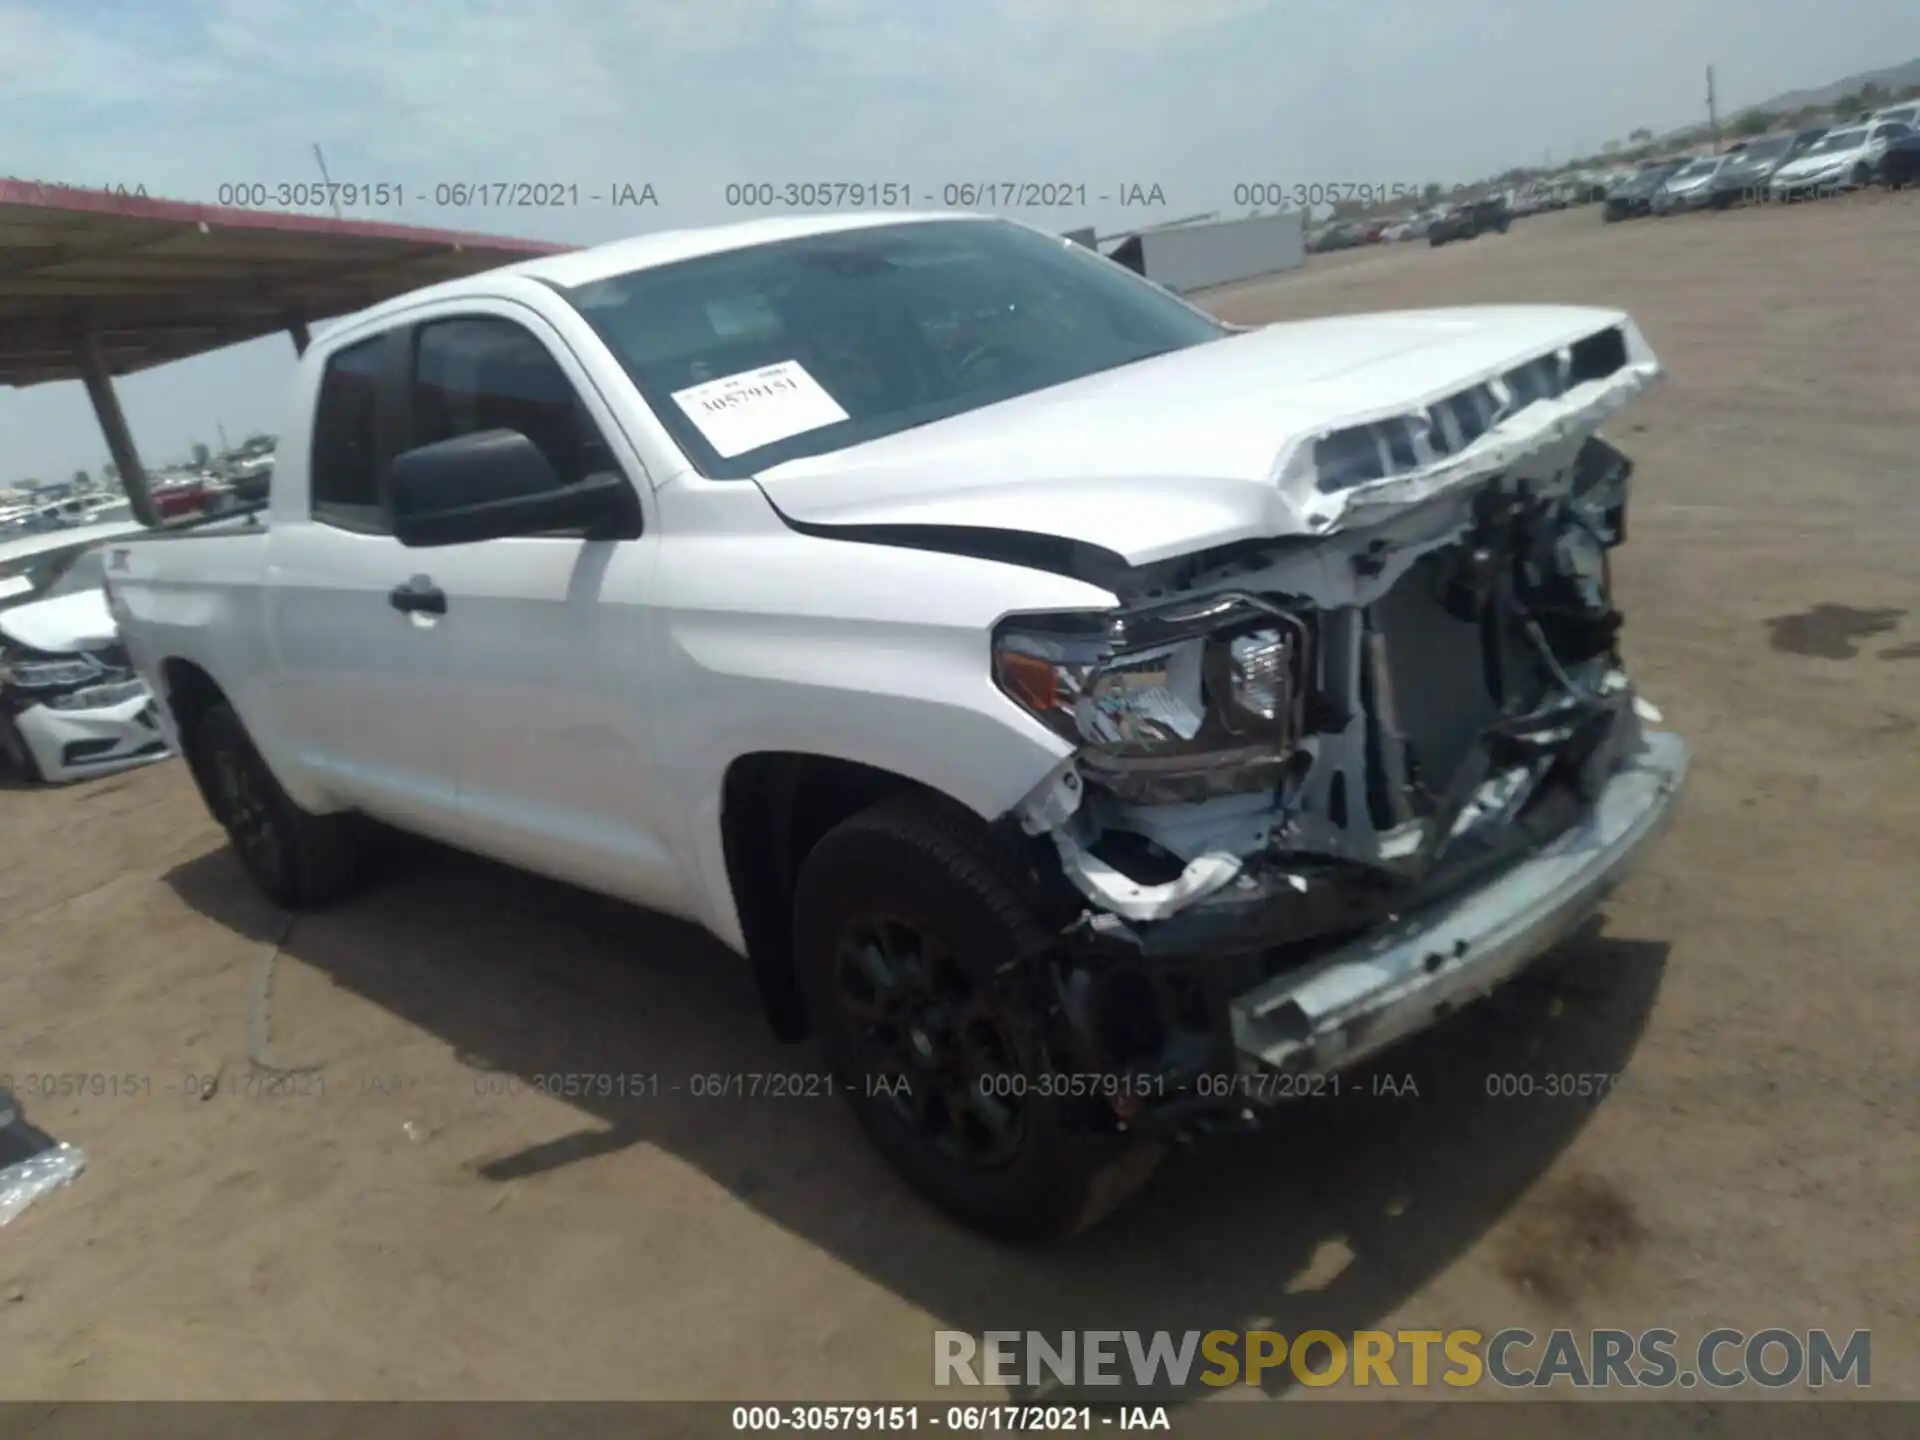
{"type": "Point", "coordinates": [738, 413]}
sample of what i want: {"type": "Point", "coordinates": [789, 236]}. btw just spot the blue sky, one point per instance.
{"type": "Point", "coordinates": [183, 96]}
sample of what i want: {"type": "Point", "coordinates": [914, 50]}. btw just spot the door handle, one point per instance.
{"type": "Point", "coordinates": [418, 596]}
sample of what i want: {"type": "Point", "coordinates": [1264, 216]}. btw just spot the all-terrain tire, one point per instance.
{"type": "Point", "coordinates": [299, 859]}
{"type": "Point", "coordinates": [917, 860]}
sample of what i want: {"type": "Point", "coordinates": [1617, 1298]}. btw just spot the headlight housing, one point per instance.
{"type": "Point", "coordinates": [108, 693]}
{"type": "Point", "coordinates": [48, 674]}
{"type": "Point", "coordinates": [1171, 704]}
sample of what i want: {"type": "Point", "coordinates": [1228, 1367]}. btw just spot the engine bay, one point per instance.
{"type": "Point", "coordinates": [1358, 705]}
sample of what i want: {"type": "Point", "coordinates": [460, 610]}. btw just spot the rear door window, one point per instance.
{"type": "Point", "coordinates": [346, 439]}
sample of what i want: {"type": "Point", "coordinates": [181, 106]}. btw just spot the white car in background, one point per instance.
{"type": "Point", "coordinates": [70, 704]}
{"type": "Point", "coordinates": [1838, 160]}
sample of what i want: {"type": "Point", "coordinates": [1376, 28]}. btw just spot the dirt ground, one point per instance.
{"type": "Point", "coordinates": [418, 1222]}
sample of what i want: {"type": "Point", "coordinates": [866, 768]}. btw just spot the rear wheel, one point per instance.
{"type": "Point", "coordinates": [907, 928]}
{"type": "Point", "coordinates": [299, 859]}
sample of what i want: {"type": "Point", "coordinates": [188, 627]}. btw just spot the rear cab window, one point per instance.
{"type": "Point", "coordinates": [345, 465]}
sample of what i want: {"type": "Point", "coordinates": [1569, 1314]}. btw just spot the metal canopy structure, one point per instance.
{"type": "Point", "coordinates": [96, 284]}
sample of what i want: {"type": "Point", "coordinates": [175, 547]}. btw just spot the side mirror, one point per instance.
{"type": "Point", "coordinates": [497, 483]}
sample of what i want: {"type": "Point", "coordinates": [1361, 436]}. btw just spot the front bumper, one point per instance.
{"type": "Point", "coordinates": [72, 744]}
{"type": "Point", "coordinates": [1403, 977]}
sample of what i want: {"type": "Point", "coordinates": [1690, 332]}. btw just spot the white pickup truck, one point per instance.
{"type": "Point", "coordinates": [1092, 721]}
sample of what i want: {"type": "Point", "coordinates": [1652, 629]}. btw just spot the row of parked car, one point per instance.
{"type": "Point", "coordinates": [1883, 149]}
{"type": "Point", "coordinates": [1463, 217]}
{"type": "Point", "coordinates": [1459, 221]}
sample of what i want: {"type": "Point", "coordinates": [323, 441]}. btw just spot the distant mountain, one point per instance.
{"type": "Point", "coordinates": [1895, 78]}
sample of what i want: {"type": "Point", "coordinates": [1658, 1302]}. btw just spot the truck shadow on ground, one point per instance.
{"type": "Point", "coordinates": [1329, 1222]}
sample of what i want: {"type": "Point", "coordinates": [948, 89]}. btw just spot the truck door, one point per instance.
{"type": "Point", "coordinates": [357, 672]}
{"type": "Point", "coordinates": [548, 634]}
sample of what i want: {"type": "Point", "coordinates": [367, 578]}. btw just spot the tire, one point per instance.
{"type": "Point", "coordinates": [300, 860]}
{"type": "Point", "coordinates": [905, 921]}
{"type": "Point", "coordinates": [17, 754]}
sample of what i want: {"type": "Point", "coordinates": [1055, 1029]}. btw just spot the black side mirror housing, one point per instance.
{"type": "Point", "coordinates": [497, 483]}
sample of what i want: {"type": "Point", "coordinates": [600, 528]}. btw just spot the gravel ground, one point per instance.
{"type": "Point", "coordinates": [418, 1221]}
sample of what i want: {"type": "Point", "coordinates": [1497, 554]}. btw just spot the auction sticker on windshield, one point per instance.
{"type": "Point", "coordinates": [738, 413]}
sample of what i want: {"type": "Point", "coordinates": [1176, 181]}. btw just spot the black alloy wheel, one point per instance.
{"type": "Point", "coordinates": [244, 807]}
{"type": "Point", "coordinates": [299, 859]}
{"type": "Point", "coordinates": [928, 1044]}
{"type": "Point", "coordinates": [922, 965]}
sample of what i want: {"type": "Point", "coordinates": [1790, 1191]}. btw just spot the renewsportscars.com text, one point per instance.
{"type": "Point", "coordinates": [1508, 1359]}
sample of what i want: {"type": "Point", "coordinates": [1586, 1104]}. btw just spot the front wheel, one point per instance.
{"type": "Point", "coordinates": [908, 934]}
{"type": "Point", "coordinates": [299, 859]}
{"type": "Point", "coordinates": [17, 754]}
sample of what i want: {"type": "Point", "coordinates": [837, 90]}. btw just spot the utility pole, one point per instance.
{"type": "Point", "coordinates": [1713, 115]}
{"type": "Point", "coordinates": [327, 179]}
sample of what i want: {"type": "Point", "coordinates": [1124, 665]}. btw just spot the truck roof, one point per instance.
{"type": "Point", "coordinates": [663, 247]}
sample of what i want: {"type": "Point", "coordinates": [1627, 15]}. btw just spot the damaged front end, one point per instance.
{"type": "Point", "coordinates": [1327, 788]}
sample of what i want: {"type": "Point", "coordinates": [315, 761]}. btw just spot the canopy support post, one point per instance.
{"type": "Point", "coordinates": [113, 425]}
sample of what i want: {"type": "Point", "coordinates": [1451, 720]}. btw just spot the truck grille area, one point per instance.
{"type": "Point", "coordinates": [1400, 444]}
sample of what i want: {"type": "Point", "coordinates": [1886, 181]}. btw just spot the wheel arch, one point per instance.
{"type": "Point", "coordinates": [775, 806]}
{"type": "Point", "coordinates": [188, 692]}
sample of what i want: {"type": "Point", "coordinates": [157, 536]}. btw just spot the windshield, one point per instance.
{"type": "Point", "coordinates": [1838, 140]}
{"type": "Point", "coordinates": [758, 356]}
{"type": "Point", "coordinates": [1697, 169]}
{"type": "Point", "coordinates": [1767, 149]}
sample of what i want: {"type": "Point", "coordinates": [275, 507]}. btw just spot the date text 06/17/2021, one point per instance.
{"type": "Point", "coordinates": [959, 1419]}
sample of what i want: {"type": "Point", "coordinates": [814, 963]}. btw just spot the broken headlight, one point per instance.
{"type": "Point", "coordinates": [1171, 704]}
{"type": "Point", "coordinates": [109, 692]}
{"type": "Point", "coordinates": [47, 674]}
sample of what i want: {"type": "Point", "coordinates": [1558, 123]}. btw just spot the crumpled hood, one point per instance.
{"type": "Point", "coordinates": [61, 625]}
{"type": "Point", "coordinates": [1213, 444]}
